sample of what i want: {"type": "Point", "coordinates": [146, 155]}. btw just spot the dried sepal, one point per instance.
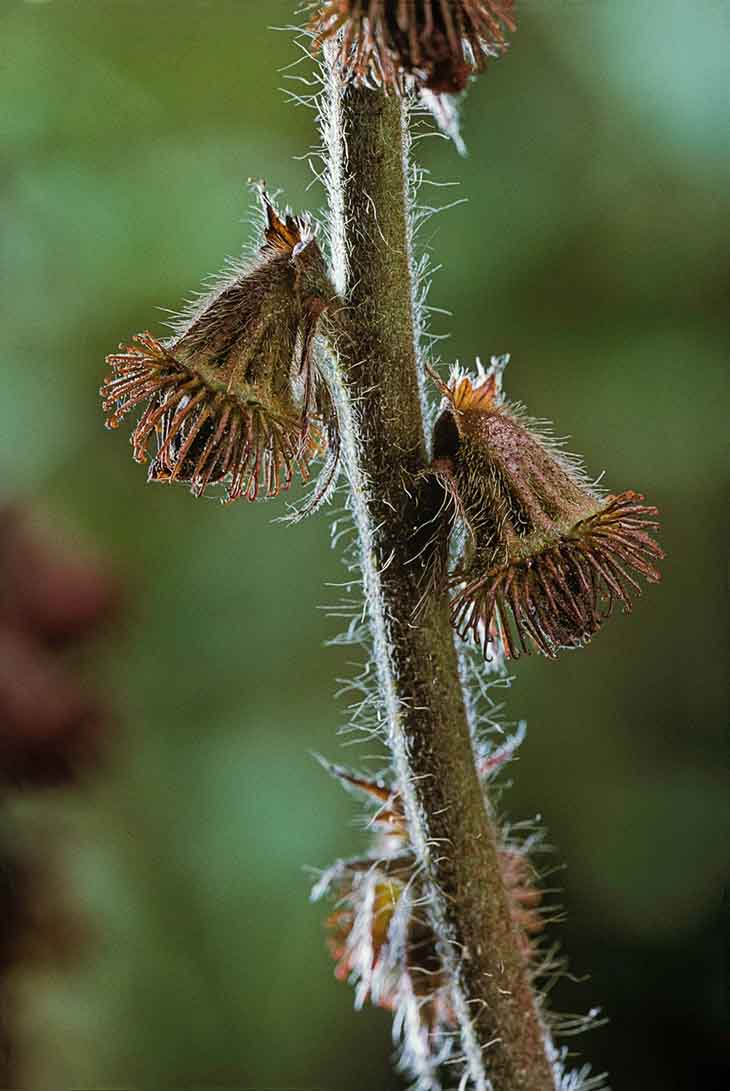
{"type": "Point", "coordinates": [237, 395]}
{"type": "Point", "coordinates": [381, 940]}
{"type": "Point", "coordinates": [379, 932]}
{"type": "Point", "coordinates": [545, 554]}
{"type": "Point", "coordinates": [436, 45]}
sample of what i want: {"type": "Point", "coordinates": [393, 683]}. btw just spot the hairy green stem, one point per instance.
{"type": "Point", "coordinates": [504, 1041]}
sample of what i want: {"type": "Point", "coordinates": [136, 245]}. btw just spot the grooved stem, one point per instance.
{"type": "Point", "coordinates": [505, 1044]}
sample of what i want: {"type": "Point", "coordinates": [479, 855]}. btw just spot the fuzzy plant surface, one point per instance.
{"type": "Point", "coordinates": [478, 539]}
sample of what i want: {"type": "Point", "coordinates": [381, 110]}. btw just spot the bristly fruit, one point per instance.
{"type": "Point", "coordinates": [436, 45]}
{"type": "Point", "coordinates": [545, 554]}
{"type": "Point", "coordinates": [236, 396]}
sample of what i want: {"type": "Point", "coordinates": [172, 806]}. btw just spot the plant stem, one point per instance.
{"type": "Point", "coordinates": [374, 335]}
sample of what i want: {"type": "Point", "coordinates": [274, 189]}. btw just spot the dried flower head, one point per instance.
{"type": "Point", "coordinates": [432, 44]}
{"type": "Point", "coordinates": [236, 395]}
{"type": "Point", "coordinates": [545, 553]}
{"type": "Point", "coordinates": [380, 936]}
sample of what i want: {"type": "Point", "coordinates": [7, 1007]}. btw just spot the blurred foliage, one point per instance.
{"type": "Point", "coordinates": [594, 249]}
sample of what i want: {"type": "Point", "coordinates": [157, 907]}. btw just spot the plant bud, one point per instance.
{"type": "Point", "coordinates": [236, 395]}
{"type": "Point", "coordinates": [545, 553]}
{"type": "Point", "coordinates": [380, 935]}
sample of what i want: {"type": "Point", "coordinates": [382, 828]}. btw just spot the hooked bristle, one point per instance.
{"type": "Point", "coordinates": [204, 436]}
{"type": "Point", "coordinates": [436, 45]}
{"type": "Point", "coordinates": [559, 597]}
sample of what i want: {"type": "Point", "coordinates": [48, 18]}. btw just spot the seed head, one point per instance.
{"type": "Point", "coordinates": [436, 45]}
{"type": "Point", "coordinates": [236, 395]}
{"type": "Point", "coordinates": [545, 554]}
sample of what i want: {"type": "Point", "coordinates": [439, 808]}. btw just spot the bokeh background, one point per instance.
{"type": "Point", "coordinates": [594, 248]}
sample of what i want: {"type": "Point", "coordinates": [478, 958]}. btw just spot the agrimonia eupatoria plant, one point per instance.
{"type": "Point", "coordinates": [476, 543]}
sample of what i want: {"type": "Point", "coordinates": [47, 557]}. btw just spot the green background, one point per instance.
{"type": "Point", "coordinates": [593, 248]}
